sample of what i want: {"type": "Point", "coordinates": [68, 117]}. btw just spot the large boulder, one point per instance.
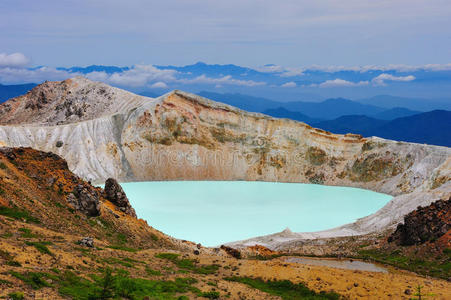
{"type": "Point", "coordinates": [115, 194]}
{"type": "Point", "coordinates": [85, 200]}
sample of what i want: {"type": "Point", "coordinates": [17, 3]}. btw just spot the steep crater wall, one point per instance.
{"type": "Point", "coordinates": [181, 136]}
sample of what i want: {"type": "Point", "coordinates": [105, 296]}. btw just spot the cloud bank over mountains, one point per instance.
{"type": "Point", "coordinates": [14, 60]}
{"type": "Point", "coordinates": [15, 69]}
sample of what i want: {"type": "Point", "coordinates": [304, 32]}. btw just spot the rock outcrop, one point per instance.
{"type": "Point", "coordinates": [115, 194]}
{"type": "Point", "coordinates": [84, 200]}
{"type": "Point", "coordinates": [424, 224]}
{"type": "Point", "coordinates": [110, 133]}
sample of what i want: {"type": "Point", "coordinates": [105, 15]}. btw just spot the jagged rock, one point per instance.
{"type": "Point", "coordinates": [9, 153]}
{"type": "Point", "coordinates": [231, 251]}
{"type": "Point", "coordinates": [84, 200]}
{"type": "Point", "coordinates": [115, 194]}
{"type": "Point", "coordinates": [424, 224]}
{"type": "Point", "coordinates": [87, 242]}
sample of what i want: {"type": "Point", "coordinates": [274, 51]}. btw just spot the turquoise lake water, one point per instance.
{"type": "Point", "coordinates": [217, 212]}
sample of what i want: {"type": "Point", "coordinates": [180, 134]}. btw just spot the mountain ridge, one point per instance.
{"type": "Point", "coordinates": [432, 127]}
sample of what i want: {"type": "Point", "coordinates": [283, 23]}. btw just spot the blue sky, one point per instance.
{"type": "Point", "coordinates": [317, 49]}
{"type": "Point", "coordinates": [251, 33]}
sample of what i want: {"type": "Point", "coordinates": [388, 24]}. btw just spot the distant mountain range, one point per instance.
{"type": "Point", "coordinates": [95, 68]}
{"type": "Point", "coordinates": [419, 104]}
{"type": "Point", "coordinates": [432, 127]}
{"type": "Point", "coordinates": [308, 111]}
{"type": "Point", "coordinates": [288, 114]}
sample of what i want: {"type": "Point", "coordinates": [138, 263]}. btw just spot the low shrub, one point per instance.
{"type": "Point", "coordinates": [41, 247]}
{"type": "Point", "coordinates": [188, 264]}
{"type": "Point", "coordinates": [16, 296]}
{"type": "Point", "coordinates": [120, 285]}
{"type": "Point", "coordinates": [18, 214]}
{"type": "Point", "coordinates": [285, 289]}
{"type": "Point", "coordinates": [34, 279]}
{"type": "Point", "coordinates": [209, 295]}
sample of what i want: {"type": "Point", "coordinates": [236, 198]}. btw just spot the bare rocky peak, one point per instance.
{"type": "Point", "coordinates": [69, 101]}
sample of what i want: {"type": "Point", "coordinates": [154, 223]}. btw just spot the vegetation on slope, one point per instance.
{"type": "Point", "coordinates": [285, 289]}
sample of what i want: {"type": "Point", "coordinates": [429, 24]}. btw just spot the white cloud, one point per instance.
{"type": "Point", "coordinates": [225, 80]}
{"type": "Point", "coordinates": [289, 84]}
{"type": "Point", "coordinates": [437, 67]}
{"type": "Point", "coordinates": [141, 75]}
{"type": "Point", "coordinates": [291, 72]}
{"type": "Point", "coordinates": [294, 71]}
{"type": "Point", "coordinates": [21, 75]}
{"type": "Point", "coordinates": [14, 60]}
{"type": "Point", "coordinates": [340, 83]}
{"type": "Point", "coordinates": [391, 67]}
{"type": "Point", "coordinates": [159, 85]}
{"type": "Point", "coordinates": [376, 81]}
{"type": "Point", "coordinates": [97, 76]}
{"type": "Point", "coordinates": [281, 71]}
{"type": "Point", "coordinates": [381, 79]}
{"type": "Point", "coordinates": [269, 69]}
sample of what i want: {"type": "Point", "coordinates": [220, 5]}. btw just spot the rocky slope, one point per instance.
{"type": "Point", "coordinates": [62, 238]}
{"type": "Point", "coordinates": [425, 224]}
{"type": "Point", "coordinates": [104, 132]}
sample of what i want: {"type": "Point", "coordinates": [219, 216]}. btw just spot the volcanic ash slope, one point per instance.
{"type": "Point", "coordinates": [106, 132]}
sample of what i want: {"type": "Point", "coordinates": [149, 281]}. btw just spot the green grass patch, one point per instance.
{"type": "Point", "coordinates": [168, 256]}
{"type": "Point", "coordinates": [284, 289]}
{"type": "Point", "coordinates": [210, 295]}
{"type": "Point", "coordinates": [5, 255]}
{"type": "Point", "coordinates": [121, 238]}
{"type": "Point", "coordinates": [440, 267]}
{"type": "Point", "coordinates": [27, 233]}
{"type": "Point", "coordinates": [152, 272]}
{"type": "Point", "coordinates": [447, 252]}
{"type": "Point", "coordinates": [188, 264]}
{"type": "Point", "coordinates": [41, 247]}
{"type": "Point", "coordinates": [123, 248]}
{"type": "Point", "coordinates": [17, 214]}
{"type": "Point", "coordinates": [120, 286]}
{"type": "Point", "coordinates": [35, 280]}
{"type": "Point", "coordinates": [83, 250]}
{"type": "Point", "coordinates": [3, 166]}
{"type": "Point", "coordinates": [6, 235]}
{"type": "Point", "coordinates": [119, 261]}
{"type": "Point", "coordinates": [5, 282]}
{"type": "Point", "coordinates": [13, 263]}
{"type": "Point", "coordinates": [9, 259]}
{"type": "Point", "coordinates": [16, 296]}
{"type": "Point", "coordinates": [57, 204]}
